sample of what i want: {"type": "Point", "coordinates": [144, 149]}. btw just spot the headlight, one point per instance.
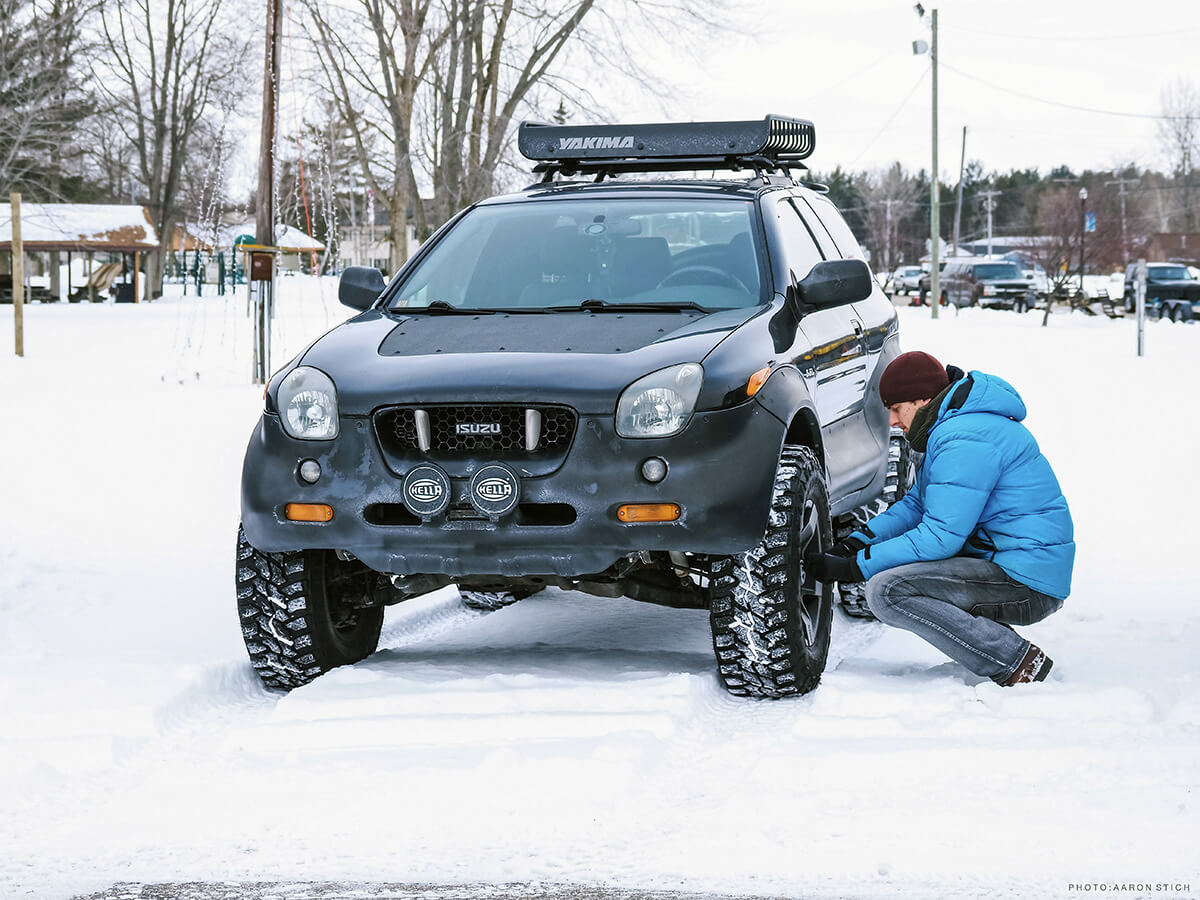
{"type": "Point", "coordinates": [307, 404]}
{"type": "Point", "coordinates": [660, 404]}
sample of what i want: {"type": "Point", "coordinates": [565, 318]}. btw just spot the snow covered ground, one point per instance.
{"type": "Point", "coordinates": [569, 740]}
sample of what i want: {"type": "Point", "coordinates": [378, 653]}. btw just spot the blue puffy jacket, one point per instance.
{"type": "Point", "coordinates": [984, 489]}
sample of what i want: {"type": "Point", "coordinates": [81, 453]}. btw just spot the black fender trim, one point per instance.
{"type": "Point", "coordinates": [785, 396]}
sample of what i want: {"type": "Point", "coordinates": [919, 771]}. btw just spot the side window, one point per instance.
{"type": "Point", "coordinates": [835, 225]}
{"type": "Point", "coordinates": [819, 232]}
{"type": "Point", "coordinates": [799, 249]}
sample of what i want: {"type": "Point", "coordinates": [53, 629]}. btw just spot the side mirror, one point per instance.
{"type": "Point", "coordinates": [835, 282]}
{"type": "Point", "coordinates": [360, 286]}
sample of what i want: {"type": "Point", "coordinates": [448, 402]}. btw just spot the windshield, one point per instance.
{"type": "Point", "coordinates": [997, 270]}
{"type": "Point", "coordinates": [1170, 273]}
{"type": "Point", "coordinates": [543, 254]}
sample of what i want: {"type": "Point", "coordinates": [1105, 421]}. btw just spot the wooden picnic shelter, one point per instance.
{"type": "Point", "coordinates": [88, 228]}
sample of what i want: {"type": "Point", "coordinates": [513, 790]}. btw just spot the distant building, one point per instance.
{"type": "Point", "coordinates": [1172, 246]}
{"type": "Point", "coordinates": [1001, 244]}
{"type": "Point", "coordinates": [297, 251]}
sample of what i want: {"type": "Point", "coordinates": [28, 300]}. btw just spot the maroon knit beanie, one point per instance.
{"type": "Point", "coordinates": [912, 376]}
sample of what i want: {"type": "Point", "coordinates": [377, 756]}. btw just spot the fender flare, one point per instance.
{"type": "Point", "coordinates": [786, 397]}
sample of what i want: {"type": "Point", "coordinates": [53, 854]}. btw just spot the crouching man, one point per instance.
{"type": "Point", "coordinates": [983, 541]}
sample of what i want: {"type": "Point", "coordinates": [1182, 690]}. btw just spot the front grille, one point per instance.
{"type": "Point", "coordinates": [500, 429]}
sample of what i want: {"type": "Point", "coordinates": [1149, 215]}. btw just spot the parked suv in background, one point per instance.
{"type": "Point", "coordinates": [987, 282]}
{"type": "Point", "coordinates": [1170, 288]}
{"type": "Point", "coordinates": [666, 390]}
{"type": "Point", "coordinates": [923, 283]}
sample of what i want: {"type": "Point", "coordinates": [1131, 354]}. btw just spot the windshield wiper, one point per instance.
{"type": "Point", "coordinates": [441, 306]}
{"type": "Point", "coordinates": [594, 304]}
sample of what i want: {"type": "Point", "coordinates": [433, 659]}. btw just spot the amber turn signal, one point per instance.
{"type": "Point", "coordinates": [308, 512]}
{"type": "Point", "coordinates": [757, 380]}
{"type": "Point", "coordinates": [649, 512]}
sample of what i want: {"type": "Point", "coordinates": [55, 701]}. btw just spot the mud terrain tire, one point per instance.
{"type": "Point", "coordinates": [304, 612]}
{"type": "Point", "coordinates": [770, 620]}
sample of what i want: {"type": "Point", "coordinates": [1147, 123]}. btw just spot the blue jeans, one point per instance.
{"type": "Point", "coordinates": [963, 607]}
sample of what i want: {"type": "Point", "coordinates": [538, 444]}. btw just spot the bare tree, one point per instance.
{"type": "Point", "coordinates": [167, 64]}
{"type": "Point", "coordinates": [496, 52]}
{"type": "Point", "coordinates": [435, 87]}
{"type": "Point", "coordinates": [504, 60]}
{"type": "Point", "coordinates": [374, 56]}
{"type": "Point", "coordinates": [1058, 246]}
{"type": "Point", "coordinates": [889, 196]}
{"type": "Point", "coordinates": [1179, 131]}
{"type": "Point", "coordinates": [41, 102]}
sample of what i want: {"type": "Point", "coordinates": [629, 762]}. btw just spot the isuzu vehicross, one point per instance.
{"type": "Point", "coordinates": [659, 389]}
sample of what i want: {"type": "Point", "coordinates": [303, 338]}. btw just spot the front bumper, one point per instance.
{"type": "Point", "coordinates": [721, 472]}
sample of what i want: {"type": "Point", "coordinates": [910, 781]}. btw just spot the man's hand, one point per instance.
{"type": "Point", "coordinates": [848, 546]}
{"type": "Point", "coordinates": [827, 567]}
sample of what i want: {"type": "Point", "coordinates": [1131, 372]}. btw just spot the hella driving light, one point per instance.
{"type": "Point", "coordinates": [660, 404]}
{"type": "Point", "coordinates": [307, 403]}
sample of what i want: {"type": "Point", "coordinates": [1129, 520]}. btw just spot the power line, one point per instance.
{"type": "Point", "coordinates": [1090, 109]}
{"type": "Point", "coordinates": [892, 117]}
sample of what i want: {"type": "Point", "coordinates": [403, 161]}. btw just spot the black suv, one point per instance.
{"type": "Point", "coordinates": [985, 282]}
{"type": "Point", "coordinates": [1169, 286]}
{"type": "Point", "coordinates": [662, 389]}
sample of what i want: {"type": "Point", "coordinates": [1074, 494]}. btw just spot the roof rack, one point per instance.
{"type": "Point", "coordinates": [770, 145]}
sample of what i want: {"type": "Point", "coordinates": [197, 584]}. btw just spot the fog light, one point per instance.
{"type": "Point", "coordinates": [654, 470]}
{"type": "Point", "coordinates": [310, 471]}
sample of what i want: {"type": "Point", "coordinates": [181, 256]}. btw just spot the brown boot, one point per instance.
{"type": "Point", "coordinates": [1035, 666]}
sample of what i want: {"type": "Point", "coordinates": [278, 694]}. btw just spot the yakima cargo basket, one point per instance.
{"type": "Point", "coordinates": [769, 144]}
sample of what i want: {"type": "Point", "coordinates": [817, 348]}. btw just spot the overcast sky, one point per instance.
{"type": "Point", "coordinates": [1008, 71]}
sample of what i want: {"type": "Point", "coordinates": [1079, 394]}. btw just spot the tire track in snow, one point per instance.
{"type": "Point", "coordinates": [225, 696]}
{"type": "Point", "coordinates": [421, 618]}
{"type": "Point", "coordinates": [221, 697]}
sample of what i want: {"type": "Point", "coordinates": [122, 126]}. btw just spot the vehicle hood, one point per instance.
{"type": "Point", "coordinates": [584, 359]}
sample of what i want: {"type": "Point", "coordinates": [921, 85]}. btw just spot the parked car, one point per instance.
{"type": "Point", "coordinates": [906, 279]}
{"type": "Point", "coordinates": [662, 389]}
{"type": "Point", "coordinates": [1171, 291]}
{"type": "Point", "coordinates": [987, 282]}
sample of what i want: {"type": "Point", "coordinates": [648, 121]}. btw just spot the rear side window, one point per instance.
{"type": "Point", "coordinates": [832, 221]}
{"type": "Point", "coordinates": [799, 246]}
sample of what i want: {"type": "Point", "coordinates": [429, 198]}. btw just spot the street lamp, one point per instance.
{"type": "Point", "coordinates": [1082, 232]}
{"type": "Point", "coordinates": [919, 47]}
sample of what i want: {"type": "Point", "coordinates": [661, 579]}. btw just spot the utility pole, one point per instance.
{"type": "Point", "coordinates": [962, 167]}
{"type": "Point", "coordinates": [935, 224]}
{"type": "Point", "coordinates": [1083, 195]}
{"type": "Point", "coordinates": [18, 276]}
{"type": "Point", "coordinates": [1120, 183]}
{"type": "Point", "coordinates": [887, 234]}
{"type": "Point", "coordinates": [990, 205]}
{"type": "Point", "coordinates": [262, 288]}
